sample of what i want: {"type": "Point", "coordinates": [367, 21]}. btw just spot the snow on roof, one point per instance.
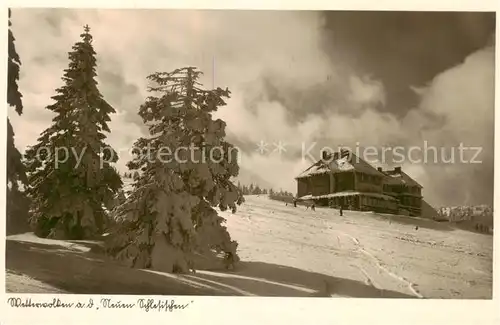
{"type": "Point", "coordinates": [350, 162]}
{"type": "Point", "coordinates": [347, 193]}
{"type": "Point", "coordinates": [317, 168]}
{"type": "Point", "coordinates": [401, 177]}
{"type": "Point", "coordinates": [338, 163]}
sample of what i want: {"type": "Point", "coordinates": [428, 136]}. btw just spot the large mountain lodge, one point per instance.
{"type": "Point", "coordinates": [343, 179]}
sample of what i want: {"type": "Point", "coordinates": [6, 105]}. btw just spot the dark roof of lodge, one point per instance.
{"type": "Point", "coordinates": [348, 161]}
{"type": "Point", "coordinates": [401, 177]}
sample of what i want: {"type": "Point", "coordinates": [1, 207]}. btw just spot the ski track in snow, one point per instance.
{"type": "Point", "coordinates": [410, 285]}
{"type": "Point", "coordinates": [369, 281]}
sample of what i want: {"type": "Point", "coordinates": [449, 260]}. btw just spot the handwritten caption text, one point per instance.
{"type": "Point", "coordinates": [104, 303]}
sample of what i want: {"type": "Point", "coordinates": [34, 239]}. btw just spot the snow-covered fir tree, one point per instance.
{"type": "Point", "coordinates": [15, 167]}
{"type": "Point", "coordinates": [14, 96]}
{"type": "Point", "coordinates": [169, 216]}
{"type": "Point", "coordinates": [17, 202]}
{"type": "Point", "coordinates": [69, 191]}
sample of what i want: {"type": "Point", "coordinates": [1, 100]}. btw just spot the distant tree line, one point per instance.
{"type": "Point", "coordinates": [256, 190]}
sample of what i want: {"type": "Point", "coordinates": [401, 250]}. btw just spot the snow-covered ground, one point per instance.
{"type": "Point", "coordinates": [382, 251]}
{"type": "Point", "coordinates": [22, 283]}
{"type": "Point", "coordinates": [285, 251]}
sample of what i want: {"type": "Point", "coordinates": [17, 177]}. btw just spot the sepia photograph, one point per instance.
{"type": "Point", "coordinates": [264, 153]}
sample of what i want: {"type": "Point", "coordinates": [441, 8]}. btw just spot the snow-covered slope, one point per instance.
{"type": "Point", "coordinates": [287, 251]}
{"type": "Point", "coordinates": [382, 251]}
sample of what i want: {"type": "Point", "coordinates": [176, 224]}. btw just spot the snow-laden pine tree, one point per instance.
{"type": "Point", "coordinates": [14, 96]}
{"type": "Point", "coordinates": [17, 202]}
{"type": "Point", "coordinates": [169, 216]}
{"type": "Point", "coordinates": [71, 179]}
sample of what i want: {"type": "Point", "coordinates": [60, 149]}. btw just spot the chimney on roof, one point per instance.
{"type": "Point", "coordinates": [326, 154]}
{"type": "Point", "coordinates": [344, 153]}
{"type": "Point", "coordinates": [379, 169]}
{"type": "Point", "coordinates": [397, 169]}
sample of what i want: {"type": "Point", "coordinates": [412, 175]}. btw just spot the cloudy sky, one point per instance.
{"type": "Point", "coordinates": [305, 79]}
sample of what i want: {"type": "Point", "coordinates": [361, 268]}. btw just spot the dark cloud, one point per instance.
{"type": "Point", "coordinates": [124, 96]}
{"type": "Point", "coordinates": [404, 49]}
{"type": "Point", "coordinates": [47, 59]}
{"type": "Point", "coordinates": [300, 102]}
{"type": "Point", "coordinates": [401, 49]}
